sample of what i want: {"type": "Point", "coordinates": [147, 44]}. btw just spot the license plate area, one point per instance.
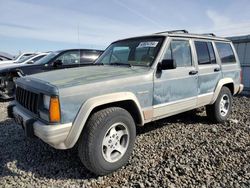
{"type": "Point", "coordinates": [27, 125]}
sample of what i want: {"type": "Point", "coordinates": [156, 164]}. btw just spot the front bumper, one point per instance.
{"type": "Point", "coordinates": [54, 135]}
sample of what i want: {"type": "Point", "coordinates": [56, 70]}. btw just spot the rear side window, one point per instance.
{"type": "Point", "coordinates": [225, 52]}
{"type": "Point", "coordinates": [180, 51]}
{"type": "Point", "coordinates": [205, 52]}
{"type": "Point", "coordinates": [89, 56]}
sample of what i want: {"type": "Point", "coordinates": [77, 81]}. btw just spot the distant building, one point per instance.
{"type": "Point", "coordinates": [242, 46]}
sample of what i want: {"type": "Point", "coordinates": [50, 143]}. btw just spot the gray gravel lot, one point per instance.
{"type": "Point", "coordinates": [181, 151]}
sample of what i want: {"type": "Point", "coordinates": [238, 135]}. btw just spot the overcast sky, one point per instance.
{"type": "Point", "coordinates": [33, 25]}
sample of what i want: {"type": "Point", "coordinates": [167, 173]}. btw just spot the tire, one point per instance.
{"type": "Point", "coordinates": [106, 132]}
{"type": "Point", "coordinates": [220, 111]}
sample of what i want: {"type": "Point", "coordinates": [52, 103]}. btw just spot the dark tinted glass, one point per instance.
{"type": "Point", "coordinates": [202, 52]}
{"type": "Point", "coordinates": [211, 52]}
{"type": "Point", "coordinates": [89, 56]}
{"type": "Point", "coordinates": [225, 52]}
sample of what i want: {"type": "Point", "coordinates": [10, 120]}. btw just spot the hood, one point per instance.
{"type": "Point", "coordinates": [86, 75]}
{"type": "Point", "coordinates": [8, 66]}
{"type": "Point", "coordinates": [6, 62]}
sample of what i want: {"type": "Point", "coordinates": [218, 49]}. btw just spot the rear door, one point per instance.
{"type": "Point", "coordinates": [229, 62]}
{"type": "Point", "coordinates": [175, 90]}
{"type": "Point", "coordinates": [209, 70]}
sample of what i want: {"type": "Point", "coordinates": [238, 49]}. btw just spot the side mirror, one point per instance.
{"type": "Point", "coordinates": [57, 63]}
{"type": "Point", "coordinates": [166, 64]}
{"type": "Point", "coordinates": [30, 62]}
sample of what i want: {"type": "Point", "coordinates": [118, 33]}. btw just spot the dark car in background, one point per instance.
{"type": "Point", "coordinates": [55, 60]}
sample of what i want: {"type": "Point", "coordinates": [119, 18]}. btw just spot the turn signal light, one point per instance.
{"type": "Point", "coordinates": [54, 110]}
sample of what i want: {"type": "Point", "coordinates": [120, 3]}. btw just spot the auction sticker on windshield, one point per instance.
{"type": "Point", "coordinates": [149, 44]}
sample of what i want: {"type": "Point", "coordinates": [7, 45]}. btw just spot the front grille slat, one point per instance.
{"type": "Point", "coordinates": [17, 91]}
{"type": "Point", "coordinates": [31, 102]}
{"type": "Point", "coordinates": [27, 99]}
{"type": "Point", "coordinates": [23, 98]}
{"type": "Point", "coordinates": [22, 94]}
{"type": "Point", "coordinates": [36, 104]}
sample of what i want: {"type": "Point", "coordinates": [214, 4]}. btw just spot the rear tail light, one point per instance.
{"type": "Point", "coordinates": [54, 110]}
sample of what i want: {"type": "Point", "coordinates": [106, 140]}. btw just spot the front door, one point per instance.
{"type": "Point", "coordinates": [68, 59]}
{"type": "Point", "coordinates": [175, 90]}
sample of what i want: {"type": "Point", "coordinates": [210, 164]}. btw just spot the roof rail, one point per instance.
{"type": "Point", "coordinates": [209, 34]}
{"type": "Point", "coordinates": [174, 31]}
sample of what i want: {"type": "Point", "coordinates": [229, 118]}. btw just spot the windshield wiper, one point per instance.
{"type": "Point", "coordinates": [119, 63]}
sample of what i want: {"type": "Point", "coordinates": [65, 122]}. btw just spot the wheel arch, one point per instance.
{"type": "Point", "coordinates": [128, 105]}
{"type": "Point", "coordinates": [126, 100]}
{"type": "Point", "coordinates": [228, 82]}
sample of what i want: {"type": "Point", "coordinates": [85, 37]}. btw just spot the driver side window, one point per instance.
{"type": "Point", "coordinates": [180, 51]}
{"type": "Point", "coordinates": [70, 57]}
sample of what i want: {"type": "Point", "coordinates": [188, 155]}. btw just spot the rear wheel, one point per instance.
{"type": "Point", "coordinates": [107, 140]}
{"type": "Point", "coordinates": [221, 109]}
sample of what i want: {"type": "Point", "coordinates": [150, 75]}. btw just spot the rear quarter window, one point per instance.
{"type": "Point", "coordinates": [89, 56]}
{"type": "Point", "coordinates": [225, 52]}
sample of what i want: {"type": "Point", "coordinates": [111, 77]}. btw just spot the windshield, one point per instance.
{"type": "Point", "coordinates": [133, 52]}
{"type": "Point", "coordinates": [17, 57]}
{"type": "Point", "coordinates": [22, 56]}
{"type": "Point", "coordinates": [24, 59]}
{"type": "Point", "coordinates": [47, 58]}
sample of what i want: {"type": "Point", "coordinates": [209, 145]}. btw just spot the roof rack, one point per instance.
{"type": "Point", "coordinates": [174, 31]}
{"type": "Point", "coordinates": [209, 34]}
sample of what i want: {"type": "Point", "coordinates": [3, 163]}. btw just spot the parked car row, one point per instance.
{"type": "Point", "coordinates": [135, 81]}
{"type": "Point", "coordinates": [18, 58]}
{"type": "Point", "coordinates": [5, 57]}
{"type": "Point", "coordinates": [42, 62]}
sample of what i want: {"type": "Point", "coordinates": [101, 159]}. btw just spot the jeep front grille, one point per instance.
{"type": "Point", "coordinates": [27, 99]}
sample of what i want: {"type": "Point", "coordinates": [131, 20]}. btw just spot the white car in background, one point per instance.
{"type": "Point", "coordinates": [18, 58]}
{"type": "Point", "coordinates": [32, 58]}
{"type": "Point", "coordinates": [25, 60]}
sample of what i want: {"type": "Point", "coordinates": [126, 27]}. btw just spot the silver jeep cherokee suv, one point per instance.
{"type": "Point", "coordinates": [135, 81]}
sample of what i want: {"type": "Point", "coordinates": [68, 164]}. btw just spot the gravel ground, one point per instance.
{"type": "Point", "coordinates": [181, 151]}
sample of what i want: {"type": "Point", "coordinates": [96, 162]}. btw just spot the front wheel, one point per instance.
{"type": "Point", "coordinates": [221, 109]}
{"type": "Point", "coordinates": [107, 140]}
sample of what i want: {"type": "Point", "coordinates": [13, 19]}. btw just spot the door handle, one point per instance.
{"type": "Point", "coordinates": [216, 69]}
{"type": "Point", "coordinates": [193, 72]}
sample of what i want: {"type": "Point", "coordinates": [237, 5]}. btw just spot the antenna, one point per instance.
{"type": "Point", "coordinates": [78, 42]}
{"type": "Point", "coordinates": [78, 37]}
